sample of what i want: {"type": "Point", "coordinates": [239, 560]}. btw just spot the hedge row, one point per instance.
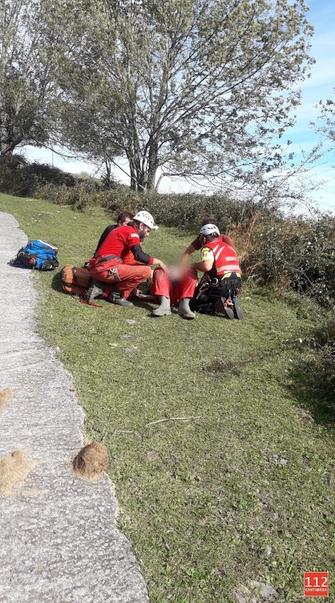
{"type": "Point", "coordinates": [23, 179]}
{"type": "Point", "coordinates": [181, 210]}
{"type": "Point", "coordinates": [284, 252]}
{"type": "Point", "coordinates": [293, 253]}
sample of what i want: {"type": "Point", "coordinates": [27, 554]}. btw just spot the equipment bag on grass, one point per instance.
{"type": "Point", "coordinates": [75, 281]}
{"type": "Point", "coordinates": [37, 255]}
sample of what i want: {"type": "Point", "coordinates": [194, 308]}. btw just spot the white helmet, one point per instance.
{"type": "Point", "coordinates": [209, 229]}
{"type": "Point", "coordinates": [146, 218]}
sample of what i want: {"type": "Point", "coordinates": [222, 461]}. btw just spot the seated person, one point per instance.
{"type": "Point", "coordinates": [176, 286]}
{"type": "Point", "coordinates": [108, 264]}
{"type": "Point", "coordinates": [222, 274]}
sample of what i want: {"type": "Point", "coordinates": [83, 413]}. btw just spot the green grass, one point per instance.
{"type": "Point", "coordinates": [246, 491]}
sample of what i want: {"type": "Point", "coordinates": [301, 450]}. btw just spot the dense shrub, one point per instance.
{"type": "Point", "coordinates": [294, 253]}
{"type": "Point", "coordinates": [188, 210]}
{"type": "Point", "coordinates": [43, 174]}
{"type": "Point", "coordinates": [79, 196]}
{"type": "Point", "coordinates": [184, 211]}
{"type": "Point", "coordinates": [18, 177]}
{"type": "Point", "coordinates": [323, 366]}
{"type": "Point", "coordinates": [13, 179]}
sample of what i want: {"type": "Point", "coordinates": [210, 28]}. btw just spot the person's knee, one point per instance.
{"type": "Point", "coordinates": [158, 275]}
{"type": "Point", "coordinates": [146, 272]}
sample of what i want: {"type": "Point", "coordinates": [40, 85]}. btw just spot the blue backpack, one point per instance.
{"type": "Point", "coordinates": [37, 255]}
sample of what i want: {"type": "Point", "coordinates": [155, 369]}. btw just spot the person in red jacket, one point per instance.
{"type": "Point", "coordinates": [219, 262]}
{"type": "Point", "coordinates": [197, 244]}
{"type": "Point", "coordinates": [108, 263]}
{"type": "Point", "coordinates": [174, 287]}
{"type": "Point", "coordinates": [221, 283]}
{"type": "Point", "coordinates": [123, 218]}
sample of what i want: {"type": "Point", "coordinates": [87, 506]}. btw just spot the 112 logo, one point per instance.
{"type": "Point", "coordinates": [316, 584]}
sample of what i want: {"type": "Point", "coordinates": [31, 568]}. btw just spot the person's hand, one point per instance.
{"type": "Point", "coordinates": [162, 265]}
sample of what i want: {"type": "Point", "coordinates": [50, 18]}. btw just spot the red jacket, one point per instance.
{"type": "Point", "coordinates": [120, 242]}
{"type": "Point", "coordinates": [225, 257]}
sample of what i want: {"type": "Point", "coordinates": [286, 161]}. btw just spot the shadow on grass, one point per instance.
{"type": "Point", "coordinates": [313, 377]}
{"type": "Point", "coordinates": [145, 305]}
{"type": "Point", "coordinates": [311, 387]}
{"type": "Point", "coordinates": [220, 367]}
{"type": "Point", "coordinates": [56, 283]}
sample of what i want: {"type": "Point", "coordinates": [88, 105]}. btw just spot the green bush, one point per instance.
{"type": "Point", "coordinates": [323, 365]}
{"type": "Point", "coordinates": [188, 210]}
{"type": "Point", "coordinates": [79, 196]}
{"type": "Point", "coordinates": [18, 177]}
{"type": "Point", "coordinates": [184, 211]}
{"type": "Point", "coordinates": [13, 176]}
{"type": "Point", "coordinates": [43, 174]}
{"type": "Point", "coordinates": [293, 253]}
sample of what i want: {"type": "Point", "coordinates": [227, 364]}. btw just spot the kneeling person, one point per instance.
{"type": "Point", "coordinates": [108, 264]}
{"type": "Point", "coordinates": [221, 283]}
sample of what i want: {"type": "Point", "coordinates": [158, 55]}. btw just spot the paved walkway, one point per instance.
{"type": "Point", "coordinates": [58, 538]}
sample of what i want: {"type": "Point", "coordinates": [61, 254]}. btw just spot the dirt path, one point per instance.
{"type": "Point", "coordinates": [59, 541]}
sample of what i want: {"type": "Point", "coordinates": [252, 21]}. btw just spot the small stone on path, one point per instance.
{"type": "Point", "coordinates": [14, 469]}
{"type": "Point", "coordinates": [5, 395]}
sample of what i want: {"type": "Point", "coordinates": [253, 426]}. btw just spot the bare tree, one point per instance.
{"type": "Point", "coordinates": [185, 86]}
{"type": "Point", "coordinates": [26, 82]}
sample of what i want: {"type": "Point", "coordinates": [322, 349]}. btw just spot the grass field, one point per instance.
{"type": "Point", "coordinates": [243, 492]}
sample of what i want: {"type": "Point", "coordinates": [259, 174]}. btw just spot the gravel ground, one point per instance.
{"type": "Point", "coordinates": [59, 540]}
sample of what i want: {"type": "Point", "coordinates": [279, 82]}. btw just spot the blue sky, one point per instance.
{"type": "Point", "coordinates": [319, 86]}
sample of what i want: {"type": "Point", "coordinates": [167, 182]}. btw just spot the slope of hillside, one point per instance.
{"type": "Point", "coordinates": [244, 491]}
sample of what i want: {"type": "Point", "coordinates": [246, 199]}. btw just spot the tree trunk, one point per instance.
{"type": "Point", "coordinates": [108, 173]}
{"type": "Point", "coordinates": [151, 179]}
{"type": "Point", "coordinates": [133, 179]}
{"type": "Point", "coordinates": [142, 179]}
{"type": "Point", "coordinates": [152, 166]}
{"type": "Point", "coordinates": [137, 176]}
